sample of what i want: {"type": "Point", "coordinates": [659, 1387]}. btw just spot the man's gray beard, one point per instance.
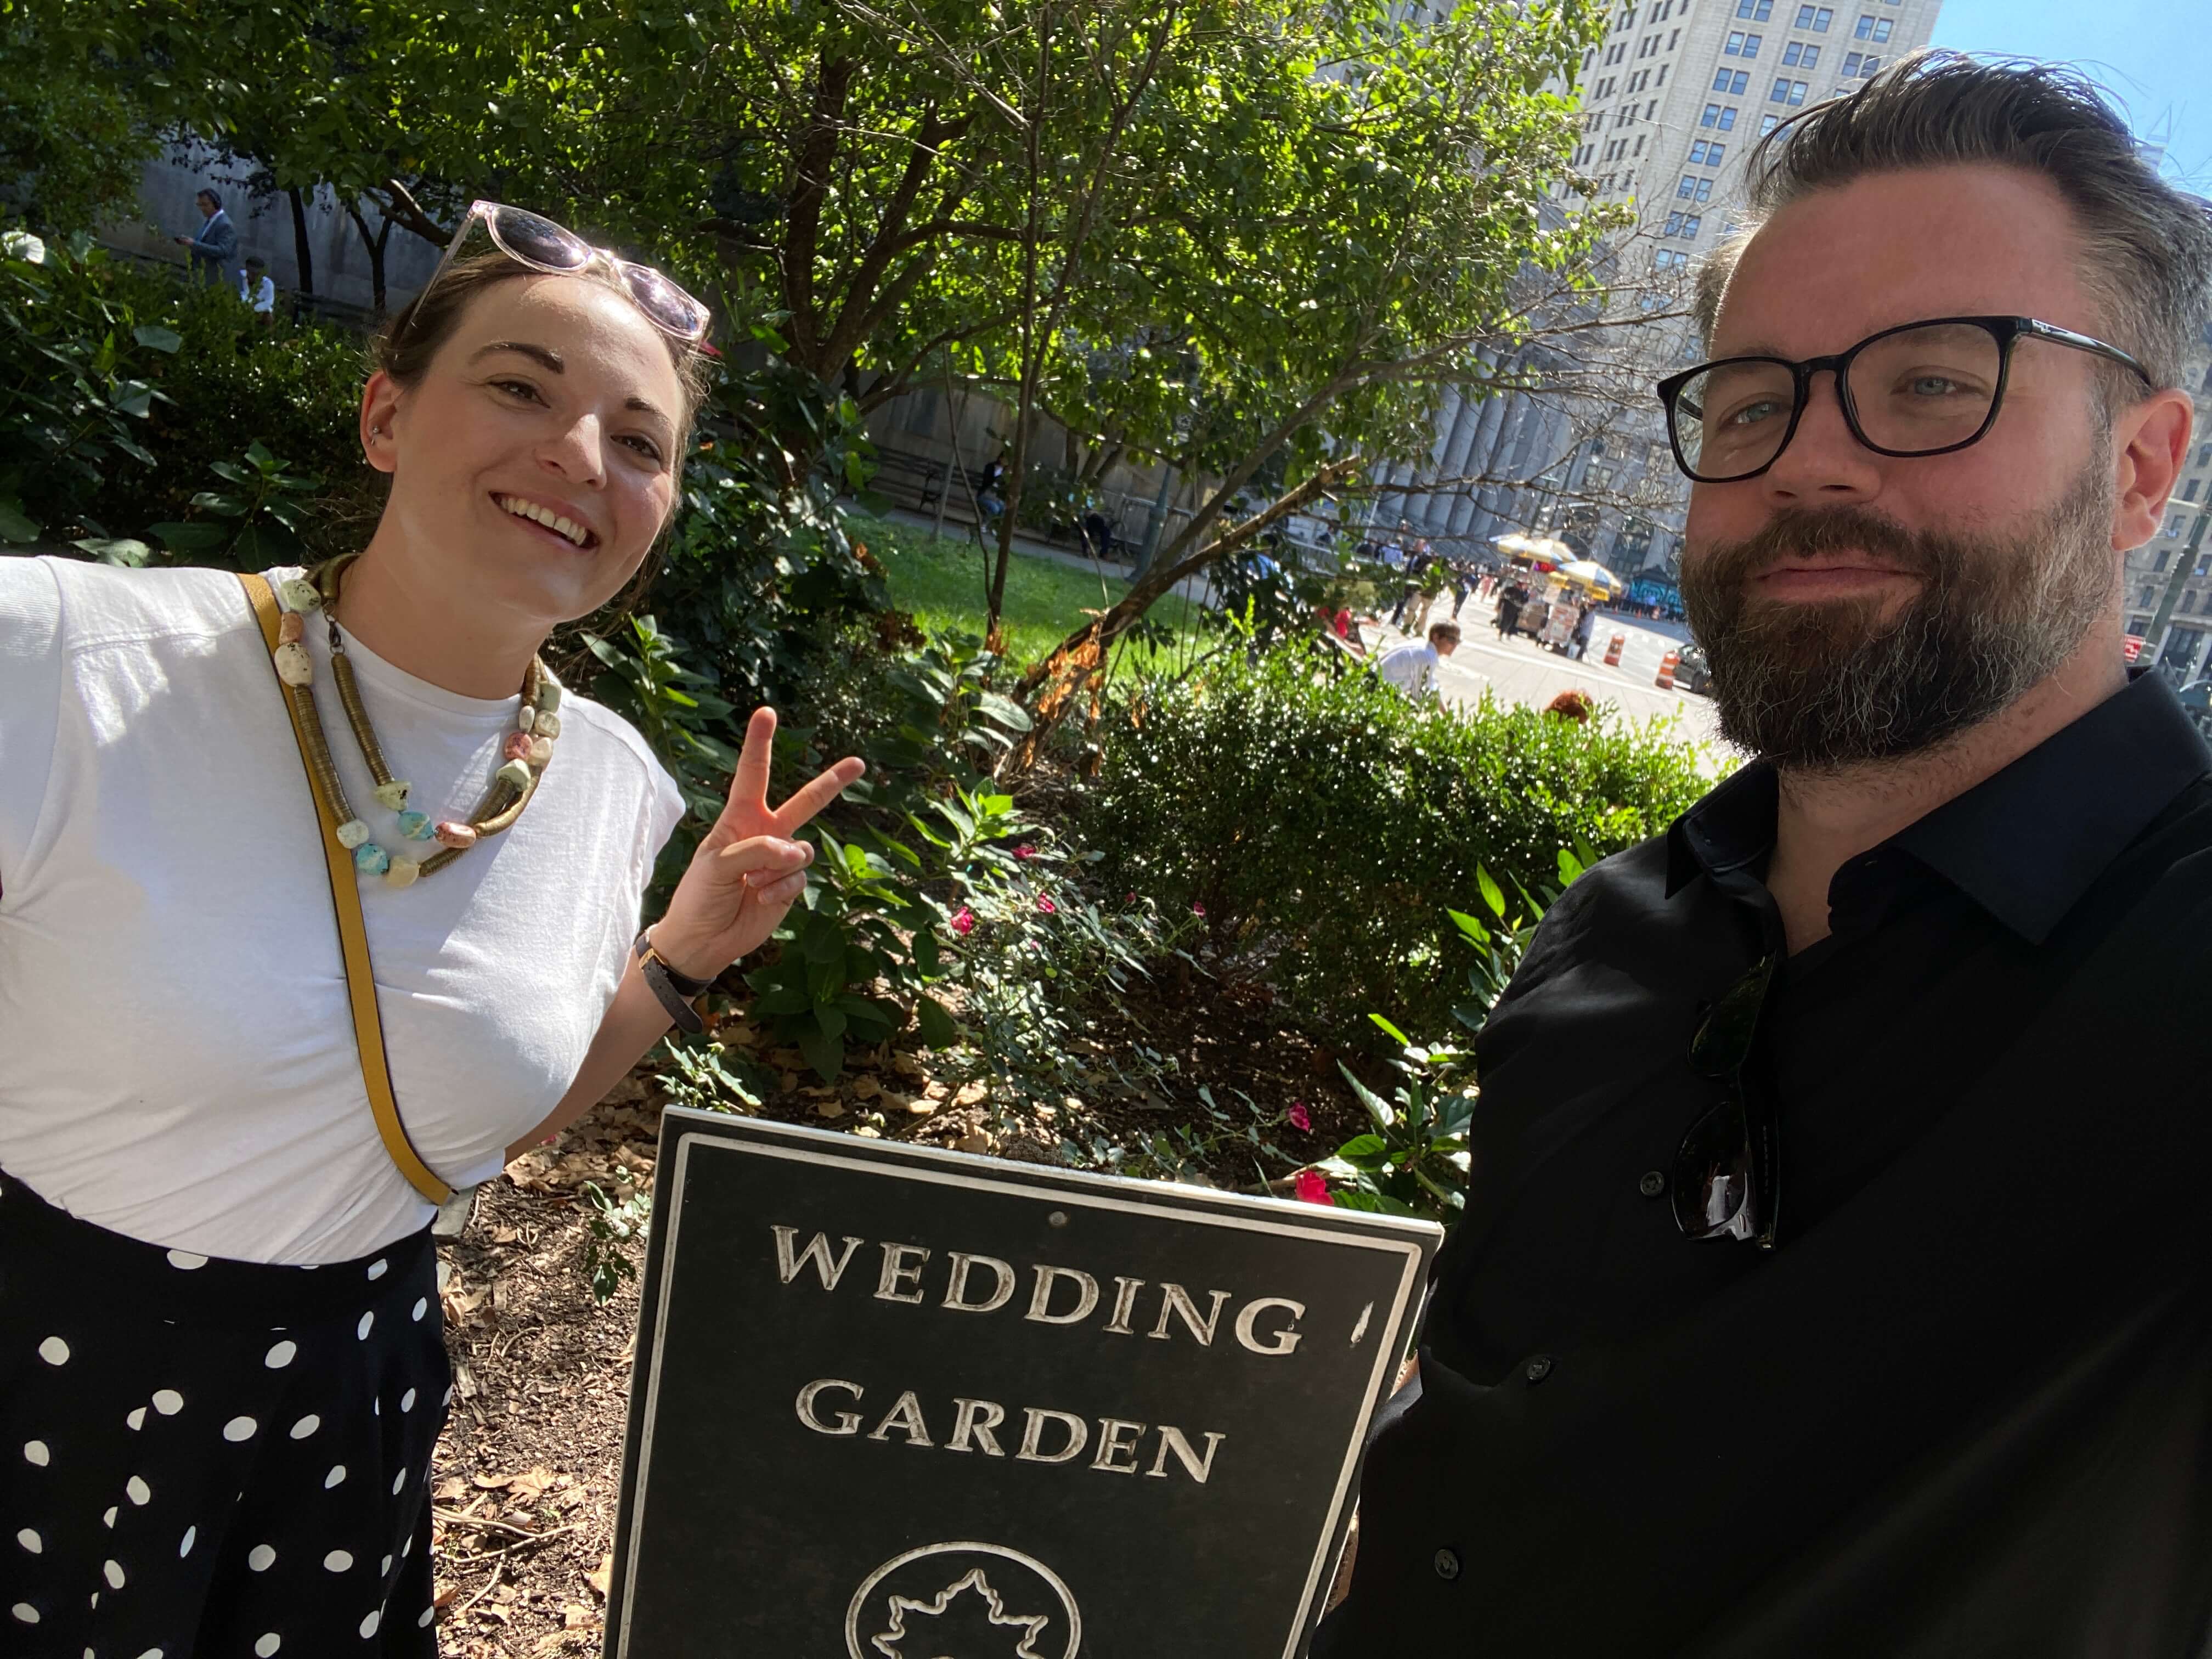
{"type": "Point", "coordinates": [1826, 684]}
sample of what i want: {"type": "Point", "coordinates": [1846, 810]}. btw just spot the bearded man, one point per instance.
{"type": "Point", "coordinates": [1836, 1274]}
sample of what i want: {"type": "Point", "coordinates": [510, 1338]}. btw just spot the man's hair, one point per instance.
{"type": "Point", "coordinates": [2146, 246]}
{"type": "Point", "coordinates": [255, 262]}
{"type": "Point", "coordinates": [1439, 632]}
{"type": "Point", "coordinates": [210, 195]}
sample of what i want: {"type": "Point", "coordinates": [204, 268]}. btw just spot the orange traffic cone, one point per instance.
{"type": "Point", "coordinates": [1613, 651]}
{"type": "Point", "coordinates": [1667, 664]}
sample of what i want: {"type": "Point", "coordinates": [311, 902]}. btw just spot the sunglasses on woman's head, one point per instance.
{"type": "Point", "coordinates": [531, 240]}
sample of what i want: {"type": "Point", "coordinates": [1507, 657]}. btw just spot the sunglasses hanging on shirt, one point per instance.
{"type": "Point", "coordinates": [1726, 1175]}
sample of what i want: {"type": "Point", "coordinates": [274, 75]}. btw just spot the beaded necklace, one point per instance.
{"type": "Point", "coordinates": [523, 754]}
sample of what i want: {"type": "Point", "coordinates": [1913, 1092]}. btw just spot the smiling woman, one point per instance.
{"type": "Point", "coordinates": [182, 798]}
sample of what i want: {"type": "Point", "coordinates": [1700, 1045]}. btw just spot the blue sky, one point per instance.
{"type": "Point", "coordinates": [2152, 54]}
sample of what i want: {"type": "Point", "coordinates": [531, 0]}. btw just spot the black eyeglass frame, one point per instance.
{"type": "Point", "coordinates": [2007, 332]}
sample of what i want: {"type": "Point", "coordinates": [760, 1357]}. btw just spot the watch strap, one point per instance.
{"type": "Point", "coordinates": [675, 991]}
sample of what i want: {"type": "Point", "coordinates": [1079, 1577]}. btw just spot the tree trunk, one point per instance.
{"type": "Point", "coordinates": [1054, 684]}
{"type": "Point", "coordinates": [376, 246]}
{"type": "Point", "coordinates": [302, 251]}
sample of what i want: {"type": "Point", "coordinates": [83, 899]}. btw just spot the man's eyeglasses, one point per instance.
{"type": "Point", "coordinates": [1921, 389]}
{"type": "Point", "coordinates": [1726, 1175]}
{"type": "Point", "coordinates": [530, 240]}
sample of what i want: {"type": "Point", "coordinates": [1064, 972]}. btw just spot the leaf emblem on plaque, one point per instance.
{"type": "Point", "coordinates": [964, 1601]}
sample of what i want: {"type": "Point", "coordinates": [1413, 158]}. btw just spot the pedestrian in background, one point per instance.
{"type": "Point", "coordinates": [256, 289]}
{"type": "Point", "coordinates": [216, 245]}
{"type": "Point", "coordinates": [1413, 667]}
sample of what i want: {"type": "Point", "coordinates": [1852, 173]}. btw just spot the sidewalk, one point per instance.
{"type": "Point", "coordinates": [1519, 671]}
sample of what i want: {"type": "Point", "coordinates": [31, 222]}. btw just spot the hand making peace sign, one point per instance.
{"type": "Point", "coordinates": [748, 871]}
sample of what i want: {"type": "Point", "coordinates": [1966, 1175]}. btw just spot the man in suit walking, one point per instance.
{"type": "Point", "coordinates": [216, 245]}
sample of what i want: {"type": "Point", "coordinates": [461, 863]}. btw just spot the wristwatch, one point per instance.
{"type": "Point", "coordinates": [675, 990]}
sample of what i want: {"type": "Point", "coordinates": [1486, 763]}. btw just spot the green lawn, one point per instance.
{"type": "Point", "coordinates": [941, 579]}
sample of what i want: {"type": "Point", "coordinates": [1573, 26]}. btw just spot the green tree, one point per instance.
{"type": "Point", "coordinates": [72, 146]}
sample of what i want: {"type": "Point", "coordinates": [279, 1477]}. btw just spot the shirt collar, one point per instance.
{"type": "Point", "coordinates": [2026, 843]}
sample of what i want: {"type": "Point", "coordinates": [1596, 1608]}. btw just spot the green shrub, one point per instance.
{"type": "Point", "coordinates": [1325, 827]}
{"type": "Point", "coordinates": [121, 387]}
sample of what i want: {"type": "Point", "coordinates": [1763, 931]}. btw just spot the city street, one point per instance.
{"type": "Point", "coordinates": [1521, 672]}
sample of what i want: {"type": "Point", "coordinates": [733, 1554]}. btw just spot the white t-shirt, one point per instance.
{"type": "Point", "coordinates": [261, 295]}
{"type": "Point", "coordinates": [1410, 668]}
{"type": "Point", "coordinates": [177, 1059]}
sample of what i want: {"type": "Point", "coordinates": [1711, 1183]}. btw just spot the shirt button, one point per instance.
{"type": "Point", "coordinates": [1446, 1565]}
{"type": "Point", "coordinates": [1653, 1184]}
{"type": "Point", "coordinates": [1539, 1368]}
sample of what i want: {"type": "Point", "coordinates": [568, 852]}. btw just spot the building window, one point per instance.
{"type": "Point", "coordinates": [1706, 154]}
{"type": "Point", "coordinates": [2174, 526]}
{"type": "Point", "coordinates": [1732, 81]}
{"type": "Point", "coordinates": [1673, 225]}
{"type": "Point", "coordinates": [1796, 55]}
{"type": "Point", "coordinates": [1669, 258]}
{"type": "Point", "coordinates": [1727, 123]}
{"type": "Point", "coordinates": [1871, 64]}
{"type": "Point", "coordinates": [2204, 455]}
{"type": "Point", "coordinates": [2189, 603]}
{"type": "Point", "coordinates": [1662, 81]}
{"type": "Point", "coordinates": [1850, 64]}
{"type": "Point", "coordinates": [1740, 44]}
{"type": "Point", "coordinates": [1694, 189]}
{"type": "Point", "coordinates": [1787, 91]}
{"type": "Point", "coordinates": [1817, 18]}
{"type": "Point", "coordinates": [1767, 123]}
{"type": "Point", "coordinates": [2139, 626]}
{"type": "Point", "coordinates": [2203, 565]}
{"type": "Point", "coordinates": [1871, 29]}
{"type": "Point", "coordinates": [1672, 38]}
{"type": "Point", "coordinates": [2149, 597]}
{"type": "Point", "coordinates": [1684, 225]}
{"type": "Point", "coordinates": [1639, 144]}
{"type": "Point", "coordinates": [1758, 10]}
{"type": "Point", "coordinates": [2189, 489]}
{"type": "Point", "coordinates": [2158, 563]}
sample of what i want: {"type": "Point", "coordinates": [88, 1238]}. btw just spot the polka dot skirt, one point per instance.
{"type": "Point", "coordinates": [201, 1458]}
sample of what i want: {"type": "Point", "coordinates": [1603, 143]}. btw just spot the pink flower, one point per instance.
{"type": "Point", "coordinates": [964, 921]}
{"type": "Point", "coordinates": [1313, 1188]}
{"type": "Point", "coordinates": [1025, 851]}
{"type": "Point", "coordinates": [1299, 1119]}
{"type": "Point", "coordinates": [1198, 909]}
{"type": "Point", "coordinates": [1128, 898]}
{"type": "Point", "coordinates": [1046, 905]}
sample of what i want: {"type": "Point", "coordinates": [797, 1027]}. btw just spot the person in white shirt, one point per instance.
{"type": "Point", "coordinates": [221, 1372]}
{"type": "Point", "coordinates": [1412, 667]}
{"type": "Point", "coordinates": [258, 288]}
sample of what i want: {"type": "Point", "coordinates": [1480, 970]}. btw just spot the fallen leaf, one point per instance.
{"type": "Point", "coordinates": [906, 1065]}
{"type": "Point", "coordinates": [828, 1109]}
{"type": "Point", "coordinates": [866, 1088]}
{"type": "Point", "coordinates": [575, 1616]}
{"type": "Point", "coordinates": [970, 1093]}
{"type": "Point", "coordinates": [603, 1577]}
{"type": "Point", "coordinates": [974, 1141]}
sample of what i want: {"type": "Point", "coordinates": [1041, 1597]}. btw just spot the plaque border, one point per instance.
{"type": "Point", "coordinates": [693, 1129]}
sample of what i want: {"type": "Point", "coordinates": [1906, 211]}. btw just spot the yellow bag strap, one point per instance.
{"type": "Point", "coordinates": [353, 936]}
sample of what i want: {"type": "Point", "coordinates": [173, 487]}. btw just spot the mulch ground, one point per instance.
{"type": "Point", "coordinates": [527, 1475]}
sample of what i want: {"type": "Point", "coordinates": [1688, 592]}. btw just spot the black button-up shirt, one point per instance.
{"type": "Point", "coordinates": [1965, 1406]}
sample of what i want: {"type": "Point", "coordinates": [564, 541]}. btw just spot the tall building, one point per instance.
{"type": "Point", "coordinates": [1674, 98]}
{"type": "Point", "coordinates": [2184, 646]}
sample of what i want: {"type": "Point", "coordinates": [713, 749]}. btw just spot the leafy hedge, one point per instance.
{"type": "Point", "coordinates": [1324, 826]}
{"type": "Point", "coordinates": [121, 387]}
